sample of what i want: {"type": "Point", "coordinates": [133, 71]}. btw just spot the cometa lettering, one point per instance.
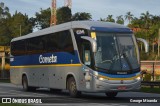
{"type": "Point", "coordinates": [50, 59]}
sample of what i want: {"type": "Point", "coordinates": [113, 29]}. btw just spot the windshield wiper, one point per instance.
{"type": "Point", "coordinates": [106, 61]}
{"type": "Point", "coordinates": [127, 60]}
{"type": "Point", "coordinates": [102, 68]}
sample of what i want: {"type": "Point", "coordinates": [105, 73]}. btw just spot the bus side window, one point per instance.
{"type": "Point", "coordinates": [86, 54]}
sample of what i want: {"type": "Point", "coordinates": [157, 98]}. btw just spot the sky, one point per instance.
{"type": "Point", "coordinates": [97, 8]}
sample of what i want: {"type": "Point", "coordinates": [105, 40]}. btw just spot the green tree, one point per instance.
{"type": "Point", "coordinates": [43, 18]}
{"type": "Point", "coordinates": [129, 16]}
{"type": "Point", "coordinates": [4, 11]}
{"type": "Point", "coordinates": [81, 16]}
{"type": "Point", "coordinates": [146, 17]}
{"type": "Point", "coordinates": [137, 23]}
{"type": "Point", "coordinates": [4, 27]}
{"type": "Point", "coordinates": [101, 19]}
{"type": "Point", "coordinates": [120, 19]}
{"type": "Point", "coordinates": [20, 24]}
{"type": "Point", "coordinates": [155, 19]}
{"type": "Point", "coordinates": [63, 15]}
{"type": "Point", "coordinates": [110, 18]}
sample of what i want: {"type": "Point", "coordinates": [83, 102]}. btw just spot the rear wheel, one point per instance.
{"type": "Point", "coordinates": [25, 84]}
{"type": "Point", "coordinates": [111, 94]}
{"type": "Point", "coordinates": [73, 88]}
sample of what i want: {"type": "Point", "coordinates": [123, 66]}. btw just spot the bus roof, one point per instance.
{"type": "Point", "coordinates": [90, 25]}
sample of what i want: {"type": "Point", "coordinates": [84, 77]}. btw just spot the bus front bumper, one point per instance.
{"type": "Point", "coordinates": [116, 86]}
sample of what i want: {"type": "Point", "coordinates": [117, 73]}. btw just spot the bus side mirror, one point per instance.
{"type": "Point", "coordinates": [92, 41]}
{"type": "Point", "coordinates": [146, 45]}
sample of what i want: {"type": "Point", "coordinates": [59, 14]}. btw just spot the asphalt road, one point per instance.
{"type": "Point", "coordinates": [48, 98]}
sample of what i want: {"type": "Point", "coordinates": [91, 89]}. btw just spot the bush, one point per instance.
{"type": "Point", "coordinates": [147, 77]}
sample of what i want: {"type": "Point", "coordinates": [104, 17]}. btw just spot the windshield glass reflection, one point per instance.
{"type": "Point", "coordinates": [115, 52]}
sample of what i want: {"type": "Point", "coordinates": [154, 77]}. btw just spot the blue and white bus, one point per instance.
{"type": "Point", "coordinates": [81, 56]}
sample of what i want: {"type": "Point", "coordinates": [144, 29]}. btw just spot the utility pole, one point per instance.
{"type": "Point", "coordinates": [20, 30]}
{"type": "Point", "coordinates": [53, 13]}
{"type": "Point", "coordinates": [68, 3]}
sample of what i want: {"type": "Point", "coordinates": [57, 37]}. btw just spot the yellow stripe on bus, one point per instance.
{"type": "Point", "coordinates": [109, 78]}
{"type": "Point", "coordinates": [52, 65]}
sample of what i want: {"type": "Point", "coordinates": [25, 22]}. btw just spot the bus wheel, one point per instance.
{"type": "Point", "coordinates": [111, 94]}
{"type": "Point", "coordinates": [25, 83]}
{"type": "Point", "coordinates": [72, 87]}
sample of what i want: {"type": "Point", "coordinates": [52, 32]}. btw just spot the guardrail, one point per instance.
{"type": "Point", "coordinates": [151, 84]}
{"type": "Point", "coordinates": [152, 68]}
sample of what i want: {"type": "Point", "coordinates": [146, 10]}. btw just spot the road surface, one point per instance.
{"type": "Point", "coordinates": [48, 98]}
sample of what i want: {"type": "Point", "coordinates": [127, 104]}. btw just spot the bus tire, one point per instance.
{"type": "Point", "coordinates": [111, 94]}
{"type": "Point", "coordinates": [25, 85]}
{"type": "Point", "coordinates": [73, 88]}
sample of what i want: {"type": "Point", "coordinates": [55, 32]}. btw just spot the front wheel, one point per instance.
{"type": "Point", "coordinates": [111, 94]}
{"type": "Point", "coordinates": [73, 88]}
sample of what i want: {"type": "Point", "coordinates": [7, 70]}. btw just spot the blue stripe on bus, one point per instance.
{"type": "Point", "coordinates": [119, 76]}
{"type": "Point", "coordinates": [62, 58]}
{"type": "Point", "coordinates": [114, 30]}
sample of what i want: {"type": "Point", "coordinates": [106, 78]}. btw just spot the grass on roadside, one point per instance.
{"type": "Point", "coordinates": [5, 80]}
{"type": "Point", "coordinates": [148, 89]}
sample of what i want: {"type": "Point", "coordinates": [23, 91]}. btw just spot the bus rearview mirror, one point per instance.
{"type": "Point", "coordinates": [92, 41]}
{"type": "Point", "coordinates": [146, 45]}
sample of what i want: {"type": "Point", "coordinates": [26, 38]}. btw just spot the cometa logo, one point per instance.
{"type": "Point", "coordinates": [50, 59]}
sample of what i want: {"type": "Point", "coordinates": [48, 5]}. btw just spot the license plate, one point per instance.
{"type": "Point", "coordinates": [122, 88]}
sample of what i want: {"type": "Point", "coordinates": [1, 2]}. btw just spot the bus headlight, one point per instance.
{"type": "Point", "coordinates": [138, 78]}
{"type": "Point", "coordinates": [100, 78]}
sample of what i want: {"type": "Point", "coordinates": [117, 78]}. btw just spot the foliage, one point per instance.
{"type": "Point", "coordinates": [4, 11]}
{"type": "Point", "coordinates": [146, 17]}
{"type": "Point", "coordinates": [63, 15]}
{"type": "Point", "coordinates": [4, 30]}
{"type": "Point", "coordinates": [147, 77]}
{"type": "Point", "coordinates": [129, 16]}
{"type": "Point", "coordinates": [81, 16]}
{"type": "Point", "coordinates": [108, 19]}
{"type": "Point", "coordinates": [10, 25]}
{"type": "Point", "coordinates": [150, 90]}
{"type": "Point", "coordinates": [42, 18]}
{"type": "Point", "coordinates": [20, 25]}
{"type": "Point", "coordinates": [120, 19]}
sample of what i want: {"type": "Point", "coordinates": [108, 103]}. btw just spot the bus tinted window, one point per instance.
{"type": "Point", "coordinates": [55, 42]}
{"type": "Point", "coordinates": [18, 47]}
{"type": "Point", "coordinates": [67, 45]}
{"type": "Point", "coordinates": [36, 45]}
{"type": "Point", "coordinates": [60, 42]}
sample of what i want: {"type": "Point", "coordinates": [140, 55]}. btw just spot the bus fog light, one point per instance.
{"type": "Point", "coordinates": [87, 77]}
{"type": "Point", "coordinates": [86, 70]}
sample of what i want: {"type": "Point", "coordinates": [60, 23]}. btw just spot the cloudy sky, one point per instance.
{"type": "Point", "coordinates": [98, 8]}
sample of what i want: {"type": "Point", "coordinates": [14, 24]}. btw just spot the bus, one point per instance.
{"type": "Point", "coordinates": [78, 56]}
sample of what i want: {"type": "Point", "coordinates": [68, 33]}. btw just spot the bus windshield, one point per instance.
{"type": "Point", "coordinates": [116, 53]}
